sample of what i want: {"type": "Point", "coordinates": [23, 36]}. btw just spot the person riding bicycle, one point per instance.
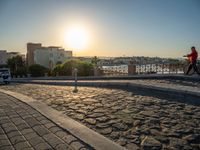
{"type": "Point", "coordinates": [193, 61]}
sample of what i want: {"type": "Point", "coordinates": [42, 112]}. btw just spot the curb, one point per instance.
{"type": "Point", "coordinates": [85, 134]}
{"type": "Point", "coordinates": [128, 77]}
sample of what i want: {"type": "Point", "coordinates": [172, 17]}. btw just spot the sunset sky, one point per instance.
{"type": "Point", "coordinates": [165, 28]}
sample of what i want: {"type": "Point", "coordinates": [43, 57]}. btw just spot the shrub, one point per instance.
{"type": "Point", "coordinates": [37, 70]}
{"type": "Point", "coordinates": [21, 71]}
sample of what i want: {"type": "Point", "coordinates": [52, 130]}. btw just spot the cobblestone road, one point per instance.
{"type": "Point", "coordinates": [172, 83]}
{"type": "Point", "coordinates": [127, 118]}
{"type": "Point", "coordinates": [23, 128]}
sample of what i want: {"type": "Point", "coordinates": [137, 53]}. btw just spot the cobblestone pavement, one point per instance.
{"type": "Point", "coordinates": [129, 119]}
{"type": "Point", "coordinates": [171, 83]}
{"type": "Point", "coordinates": [23, 128]}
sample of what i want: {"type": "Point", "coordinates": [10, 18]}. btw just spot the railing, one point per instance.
{"type": "Point", "coordinates": [114, 70]}
{"type": "Point", "coordinates": [160, 69]}
{"type": "Point", "coordinates": [163, 68]}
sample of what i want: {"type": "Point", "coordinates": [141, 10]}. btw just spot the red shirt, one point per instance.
{"type": "Point", "coordinates": [193, 56]}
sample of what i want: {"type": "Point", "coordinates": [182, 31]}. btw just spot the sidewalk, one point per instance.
{"type": "Point", "coordinates": [22, 127]}
{"type": "Point", "coordinates": [26, 123]}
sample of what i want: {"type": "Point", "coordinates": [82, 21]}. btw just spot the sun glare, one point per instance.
{"type": "Point", "coordinates": [76, 38]}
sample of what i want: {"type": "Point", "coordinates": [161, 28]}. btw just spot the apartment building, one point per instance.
{"type": "Point", "coordinates": [50, 56]}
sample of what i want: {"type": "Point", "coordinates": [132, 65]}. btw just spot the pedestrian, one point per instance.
{"type": "Point", "coordinates": [193, 61]}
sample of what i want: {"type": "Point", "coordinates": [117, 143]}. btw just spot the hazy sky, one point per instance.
{"type": "Point", "coordinates": [166, 28]}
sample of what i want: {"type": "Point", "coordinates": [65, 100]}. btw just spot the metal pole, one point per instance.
{"type": "Point", "coordinates": [75, 80]}
{"type": "Point", "coordinates": [156, 68]}
{"type": "Point", "coordinates": [163, 68]}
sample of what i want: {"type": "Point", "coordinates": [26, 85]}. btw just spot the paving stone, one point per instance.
{"type": "Point", "coordinates": [103, 125]}
{"type": "Point", "coordinates": [45, 121]}
{"type": "Point", "coordinates": [115, 135]}
{"type": "Point", "coordinates": [96, 115]}
{"type": "Point", "coordinates": [27, 131]}
{"type": "Point", "coordinates": [41, 118]}
{"type": "Point", "coordinates": [90, 121]}
{"type": "Point", "coordinates": [122, 141]}
{"type": "Point", "coordinates": [55, 129]}
{"type": "Point", "coordinates": [6, 147]}
{"type": "Point", "coordinates": [4, 120]}
{"type": "Point", "coordinates": [9, 128]}
{"type": "Point", "coordinates": [3, 137]}
{"type": "Point", "coordinates": [21, 145]}
{"type": "Point", "coordinates": [76, 145]}
{"type": "Point", "coordinates": [62, 147]}
{"type": "Point", "coordinates": [13, 134]}
{"type": "Point", "coordinates": [40, 130]}
{"type": "Point", "coordinates": [17, 121]}
{"type": "Point", "coordinates": [52, 140]}
{"type": "Point", "coordinates": [120, 126]}
{"type": "Point", "coordinates": [42, 146]}
{"type": "Point", "coordinates": [105, 131]}
{"type": "Point", "coordinates": [61, 134]}
{"type": "Point", "coordinates": [69, 139]}
{"type": "Point", "coordinates": [49, 125]}
{"type": "Point", "coordinates": [32, 121]}
{"type": "Point", "coordinates": [102, 119]}
{"type": "Point", "coordinates": [151, 143]}
{"type": "Point", "coordinates": [5, 142]}
{"type": "Point", "coordinates": [30, 135]}
{"type": "Point", "coordinates": [178, 143]}
{"type": "Point", "coordinates": [36, 115]}
{"type": "Point", "coordinates": [23, 126]}
{"type": "Point", "coordinates": [26, 116]}
{"type": "Point", "coordinates": [36, 140]}
{"type": "Point", "coordinates": [17, 139]}
{"type": "Point", "coordinates": [79, 116]}
{"type": "Point", "coordinates": [132, 146]}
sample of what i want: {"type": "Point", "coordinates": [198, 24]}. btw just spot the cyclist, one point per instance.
{"type": "Point", "coordinates": [193, 61]}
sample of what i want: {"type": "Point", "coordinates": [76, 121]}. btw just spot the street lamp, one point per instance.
{"type": "Point", "coordinates": [75, 80]}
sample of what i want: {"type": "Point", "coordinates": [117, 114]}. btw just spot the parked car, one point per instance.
{"type": "Point", "coordinates": [5, 75]}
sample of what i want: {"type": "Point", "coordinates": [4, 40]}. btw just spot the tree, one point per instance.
{"type": "Point", "coordinates": [37, 70]}
{"type": "Point", "coordinates": [17, 66]}
{"type": "Point", "coordinates": [95, 60]}
{"type": "Point", "coordinates": [84, 68]}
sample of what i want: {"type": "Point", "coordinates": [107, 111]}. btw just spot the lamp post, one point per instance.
{"type": "Point", "coordinates": [75, 80]}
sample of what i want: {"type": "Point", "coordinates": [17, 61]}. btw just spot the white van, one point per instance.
{"type": "Point", "coordinates": [5, 76]}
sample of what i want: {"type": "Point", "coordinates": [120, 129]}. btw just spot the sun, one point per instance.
{"type": "Point", "coordinates": [76, 38]}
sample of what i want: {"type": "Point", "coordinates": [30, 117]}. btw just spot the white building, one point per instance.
{"type": "Point", "coordinates": [3, 57]}
{"type": "Point", "coordinates": [50, 56]}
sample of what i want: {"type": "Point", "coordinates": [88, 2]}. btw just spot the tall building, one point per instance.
{"type": "Point", "coordinates": [31, 47]}
{"type": "Point", "coordinates": [3, 57]}
{"type": "Point", "coordinates": [50, 56]}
